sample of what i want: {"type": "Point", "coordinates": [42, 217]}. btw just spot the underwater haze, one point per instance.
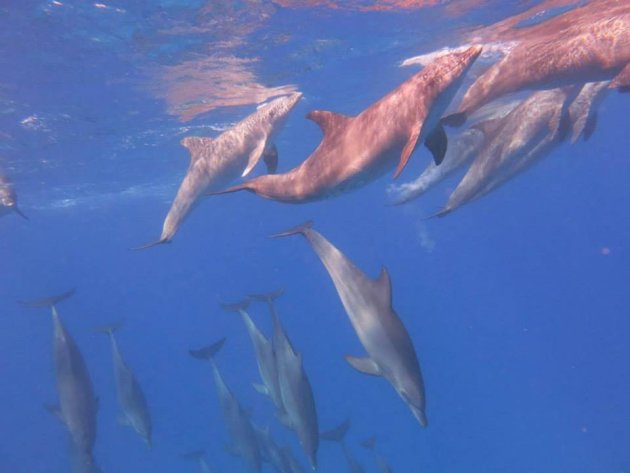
{"type": "Point", "coordinates": [517, 303]}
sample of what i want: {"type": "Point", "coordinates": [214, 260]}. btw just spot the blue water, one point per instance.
{"type": "Point", "coordinates": [517, 304]}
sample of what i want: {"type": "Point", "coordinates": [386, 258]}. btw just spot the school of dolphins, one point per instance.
{"type": "Point", "coordinates": [560, 79]}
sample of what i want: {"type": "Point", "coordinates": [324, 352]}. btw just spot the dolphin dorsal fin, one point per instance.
{"type": "Point", "coordinates": [364, 365]}
{"type": "Point", "coordinates": [384, 285]}
{"type": "Point", "coordinates": [328, 121]}
{"type": "Point", "coordinates": [195, 145]}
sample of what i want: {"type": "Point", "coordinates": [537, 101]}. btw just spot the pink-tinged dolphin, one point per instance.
{"type": "Point", "coordinates": [368, 303]}
{"type": "Point", "coordinates": [216, 162]}
{"type": "Point", "coordinates": [356, 150]}
{"type": "Point", "coordinates": [530, 132]}
{"type": "Point", "coordinates": [591, 50]}
{"type": "Point", "coordinates": [461, 151]}
{"type": "Point", "coordinates": [78, 406]}
{"type": "Point", "coordinates": [131, 399]}
{"type": "Point", "coordinates": [8, 198]}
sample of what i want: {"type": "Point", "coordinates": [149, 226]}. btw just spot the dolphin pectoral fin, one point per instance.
{"type": "Point", "coordinates": [239, 306]}
{"type": "Point", "coordinates": [407, 152]}
{"type": "Point", "coordinates": [328, 121]}
{"type": "Point", "coordinates": [622, 80]}
{"type": "Point", "coordinates": [261, 388]}
{"type": "Point", "coordinates": [208, 352]}
{"type": "Point", "coordinates": [437, 143]}
{"type": "Point", "coordinates": [363, 365]}
{"type": "Point", "coordinates": [454, 120]}
{"type": "Point", "coordinates": [162, 241]}
{"type": "Point", "coordinates": [590, 126]}
{"type": "Point", "coordinates": [55, 410]}
{"type": "Point", "coordinates": [17, 210]}
{"type": "Point", "coordinates": [255, 156]}
{"type": "Point", "coordinates": [270, 157]}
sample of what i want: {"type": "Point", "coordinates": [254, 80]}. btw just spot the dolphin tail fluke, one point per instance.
{"type": "Point", "coordinates": [369, 443]}
{"type": "Point", "coordinates": [17, 210]}
{"type": "Point", "coordinates": [208, 353]}
{"type": "Point", "coordinates": [47, 301]}
{"type": "Point", "coordinates": [151, 244]}
{"type": "Point", "coordinates": [303, 228]}
{"type": "Point", "coordinates": [110, 329]}
{"type": "Point", "coordinates": [267, 296]}
{"type": "Point", "coordinates": [338, 434]}
{"type": "Point", "coordinates": [236, 306]}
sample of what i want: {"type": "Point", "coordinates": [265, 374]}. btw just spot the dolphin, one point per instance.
{"type": "Point", "coordinates": [300, 412]}
{"type": "Point", "coordinates": [592, 49]}
{"type": "Point", "coordinates": [370, 444]}
{"type": "Point", "coordinates": [463, 148]}
{"type": "Point", "coordinates": [78, 406]}
{"type": "Point", "coordinates": [531, 131]}
{"type": "Point", "coordinates": [8, 198]}
{"type": "Point", "coordinates": [368, 303]}
{"type": "Point", "coordinates": [244, 443]}
{"type": "Point", "coordinates": [133, 404]}
{"type": "Point", "coordinates": [294, 465]}
{"type": "Point", "coordinates": [356, 150]}
{"type": "Point", "coordinates": [271, 452]}
{"type": "Point", "coordinates": [198, 456]}
{"type": "Point", "coordinates": [338, 434]}
{"type": "Point", "coordinates": [265, 356]}
{"type": "Point", "coordinates": [215, 163]}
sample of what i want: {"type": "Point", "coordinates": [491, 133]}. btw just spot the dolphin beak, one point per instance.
{"type": "Point", "coordinates": [420, 415]}
{"type": "Point", "coordinates": [17, 210]}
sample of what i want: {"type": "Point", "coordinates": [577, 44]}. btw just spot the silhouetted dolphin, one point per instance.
{"type": "Point", "coordinates": [78, 406]}
{"type": "Point", "coordinates": [356, 150]}
{"type": "Point", "coordinates": [368, 303]}
{"type": "Point", "coordinates": [215, 163]}
{"type": "Point", "coordinates": [271, 452]}
{"type": "Point", "coordinates": [370, 444]}
{"type": "Point", "coordinates": [530, 132]}
{"type": "Point", "coordinates": [338, 434]}
{"type": "Point", "coordinates": [8, 198]}
{"type": "Point", "coordinates": [200, 457]}
{"type": "Point", "coordinates": [265, 356]}
{"type": "Point", "coordinates": [594, 49]}
{"type": "Point", "coordinates": [300, 412]}
{"type": "Point", "coordinates": [244, 443]}
{"type": "Point", "coordinates": [131, 400]}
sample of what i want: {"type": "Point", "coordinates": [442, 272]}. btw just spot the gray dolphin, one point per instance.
{"type": "Point", "coordinates": [265, 356]}
{"type": "Point", "coordinates": [78, 406]}
{"type": "Point", "coordinates": [461, 150]}
{"type": "Point", "coordinates": [368, 303]}
{"type": "Point", "coordinates": [300, 412]}
{"type": "Point", "coordinates": [338, 434]}
{"type": "Point", "coordinates": [244, 443]}
{"type": "Point", "coordinates": [356, 150]}
{"type": "Point", "coordinates": [370, 444]}
{"type": "Point", "coordinates": [198, 456]}
{"type": "Point", "coordinates": [594, 47]}
{"type": "Point", "coordinates": [294, 465]}
{"type": "Point", "coordinates": [271, 452]}
{"type": "Point", "coordinates": [215, 163]}
{"type": "Point", "coordinates": [8, 198]}
{"type": "Point", "coordinates": [131, 400]}
{"type": "Point", "coordinates": [531, 131]}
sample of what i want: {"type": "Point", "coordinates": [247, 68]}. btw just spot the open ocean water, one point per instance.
{"type": "Point", "coordinates": [518, 304]}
